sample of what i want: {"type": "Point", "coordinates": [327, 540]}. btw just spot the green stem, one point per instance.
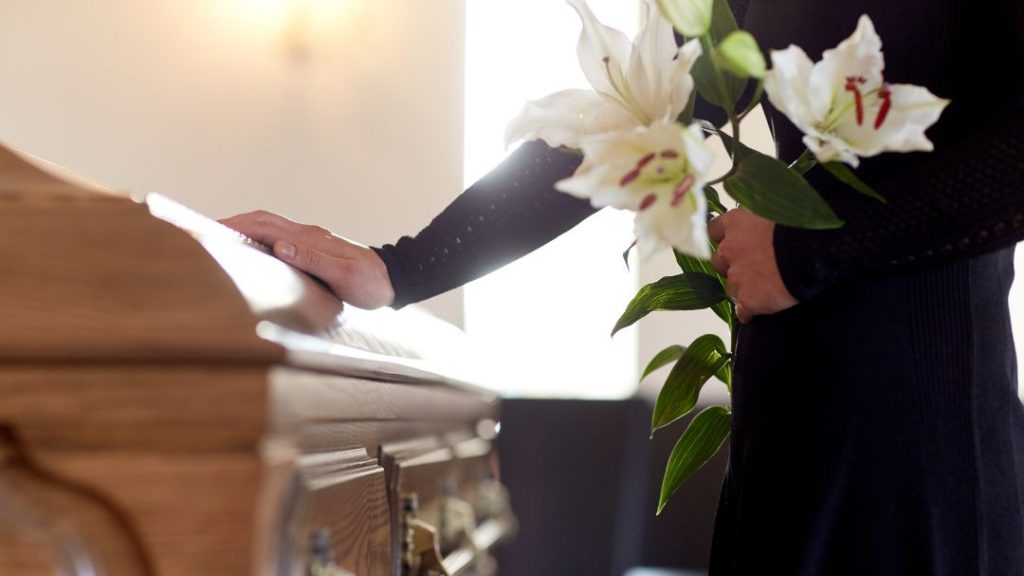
{"type": "Point", "coordinates": [805, 162]}
{"type": "Point", "coordinates": [709, 50]}
{"type": "Point", "coordinates": [716, 206]}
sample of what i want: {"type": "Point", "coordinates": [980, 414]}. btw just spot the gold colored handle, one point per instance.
{"type": "Point", "coordinates": [458, 545]}
{"type": "Point", "coordinates": [421, 555]}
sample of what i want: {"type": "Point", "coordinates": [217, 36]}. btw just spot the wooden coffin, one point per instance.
{"type": "Point", "coordinates": [176, 401]}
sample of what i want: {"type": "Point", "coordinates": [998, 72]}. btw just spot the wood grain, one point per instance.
{"type": "Point", "coordinates": [300, 396]}
{"type": "Point", "coordinates": [165, 407]}
{"type": "Point", "coordinates": [343, 493]}
{"type": "Point", "coordinates": [148, 411]}
{"type": "Point", "coordinates": [192, 513]}
{"type": "Point", "coordinates": [47, 525]}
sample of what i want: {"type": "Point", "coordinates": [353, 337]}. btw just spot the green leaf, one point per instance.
{"type": "Point", "coordinates": [688, 263]}
{"type": "Point", "coordinates": [722, 24]}
{"type": "Point", "coordinates": [706, 356]}
{"type": "Point", "coordinates": [804, 163]}
{"type": "Point", "coordinates": [740, 55]}
{"type": "Point", "coordinates": [702, 440]}
{"type": "Point", "coordinates": [683, 292]}
{"type": "Point", "coordinates": [714, 201]}
{"type": "Point", "coordinates": [767, 187]}
{"type": "Point", "coordinates": [843, 173]}
{"type": "Point", "coordinates": [673, 353]}
{"type": "Point", "coordinates": [725, 375]}
{"type": "Point", "coordinates": [691, 17]}
{"type": "Point", "coordinates": [666, 356]}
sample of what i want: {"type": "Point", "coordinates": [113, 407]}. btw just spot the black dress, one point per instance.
{"type": "Point", "coordinates": [877, 428]}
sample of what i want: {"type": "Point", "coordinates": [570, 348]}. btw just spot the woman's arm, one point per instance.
{"type": "Point", "coordinates": [508, 213]}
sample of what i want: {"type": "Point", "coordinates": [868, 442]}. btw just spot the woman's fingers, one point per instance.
{"type": "Point", "coordinates": [716, 229]}
{"type": "Point", "coordinates": [720, 263]}
{"type": "Point", "coordinates": [269, 228]}
{"type": "Point", "coordinates": [743, 314]}
{"type": "Point", "coordinates": [262, 226]}
{"type": "Point", "coordinates": [308, 259]}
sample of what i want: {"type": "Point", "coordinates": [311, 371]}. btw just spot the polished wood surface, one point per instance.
{"type": "Point", "coordinates": [176, 401]}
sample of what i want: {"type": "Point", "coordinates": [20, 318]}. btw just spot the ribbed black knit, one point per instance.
{"type": "Point", "coordinates": [876, 429]}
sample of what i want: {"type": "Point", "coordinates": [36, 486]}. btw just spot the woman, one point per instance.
{"type": "Point", "coordinates": [877, 428]}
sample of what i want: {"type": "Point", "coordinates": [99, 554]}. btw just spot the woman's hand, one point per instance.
{"type": "Point", "coordinates": [354, 272]}
{"type": "Point", "coordinates": [746, 257]}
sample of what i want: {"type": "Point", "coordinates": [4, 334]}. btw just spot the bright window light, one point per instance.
{"type": "Point", "coordinates": [546, 319]}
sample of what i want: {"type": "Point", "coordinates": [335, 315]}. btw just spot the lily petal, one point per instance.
{"type": "Point", "coordinates": [858, 56]}
{"type": "Point", "coordinates": [603, 51]}
{"type": "Point", "coordinates": [786, 85]}
{"type": "Point", "coordinates": [699, 155]}
{"type": "Point", "coordinates": [681, 80]}
{"type": "Point", "coordinates": [565, 117]}
{"type": "Point", "coordinates": [644, 170]}
{"type": "Point", "coordinates": [913, 110]}
{"type": "Point", "coordinates": [829, 148]}
{"type": "Point", "coordinates": [683, 228]}
{"type": "Point", "coordinates": [658, 67]}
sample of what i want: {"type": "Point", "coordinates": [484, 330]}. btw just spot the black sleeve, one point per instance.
{"type": "Point", "coordinates": [959, 202]}
{"type": "Point", "coordinates": [963, 199]}
{"type": "Point", "coordinates": [508, 213]}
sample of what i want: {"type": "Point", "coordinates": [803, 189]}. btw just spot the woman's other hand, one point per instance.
{"type": "Point", "coordinates": [354, 272]}
{"type": "Point", "coordinates": [746, 257]}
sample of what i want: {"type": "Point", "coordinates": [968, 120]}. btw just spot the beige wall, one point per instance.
{"type": "Point", "coordinates": [349, 116]}
{"type": "Point", "coordinates": [352, 121]}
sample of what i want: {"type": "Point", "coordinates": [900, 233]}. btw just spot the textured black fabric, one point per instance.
{"type": "Point", "coordinates": [877, 430]}
{"type": "Point", "coordinates": [508, 213]}
{"type": "Point", "coordinates": [876, 427]}
{"type": "Point", "coordinates": [512, 211]}
{"type": "Point", "coordinates": [966, 197]}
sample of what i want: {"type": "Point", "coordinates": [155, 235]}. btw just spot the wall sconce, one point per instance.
{"type": "Point", "coordinates": [310, 23]}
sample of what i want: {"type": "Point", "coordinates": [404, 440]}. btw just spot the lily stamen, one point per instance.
{"type": "Point", "coordinates": [635, 172]}
{"type": "Point", "coordinates": [682, 189]}
{"type": "Point", "coordinates": [886, 96]}
{"type": "Point", "coordinates": [629, 177]}
{"type": "Point", "coordinates": [851, 86]}
{"type": "Point", "coordinates": [648, 201]}
{"type": "Point", "coordinates": [624, 93]}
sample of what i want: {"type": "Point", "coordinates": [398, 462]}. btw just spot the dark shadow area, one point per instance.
{"type": "Point", "coordinates": [584, 480]}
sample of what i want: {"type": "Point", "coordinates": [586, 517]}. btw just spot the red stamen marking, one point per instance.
{"type": "Point", "coordinates": [628, 178]}
{"type": "Point", "coordinates": [886, 95]}
{"type": "Point", "coordinates": [647, 201]}
{"type": "Point", "coordinates": [644, 161]}
{"type": "Point", "coordinates": [682, 189]}
{"type": "Point", "coordinates": [851, 86]}
{"type": "Point", "coordinates": [669, 153]}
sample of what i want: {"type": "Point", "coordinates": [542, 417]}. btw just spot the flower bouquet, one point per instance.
{"type": "Point", "coordinates": [644, 150]}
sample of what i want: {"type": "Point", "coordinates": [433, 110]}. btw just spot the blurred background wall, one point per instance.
{"type": "Point", "coordinates": [351, 114]}
{"type": "Point", "coordinates": [346, 113]}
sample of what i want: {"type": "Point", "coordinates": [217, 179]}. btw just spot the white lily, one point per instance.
{"type": "Point", "coordinates": [634, 83]}
{"type": "Point", "coordinates": [659, 171]}
{"type": "Point", "coordinates": [843, 105]}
